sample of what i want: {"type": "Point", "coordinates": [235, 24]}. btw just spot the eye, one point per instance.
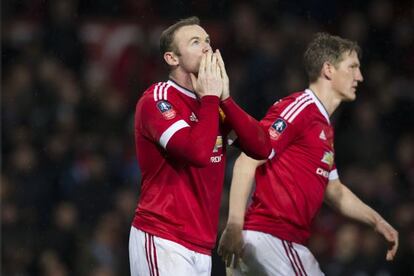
{"type": "Point", "coordinates": [208, 40]}
{"type": "Point", "coordinates": [195, 42]}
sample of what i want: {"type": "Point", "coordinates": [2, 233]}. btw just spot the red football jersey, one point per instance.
{"type": "Point", "coordinates": [290, 187]}
{"type": "Point", "coordinates": [178, 201]}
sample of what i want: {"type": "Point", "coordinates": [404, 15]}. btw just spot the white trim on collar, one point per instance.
{"type": "Point", "coordinates": [182, 89]}
{"type": "Point", "coordinates": [318, 104]}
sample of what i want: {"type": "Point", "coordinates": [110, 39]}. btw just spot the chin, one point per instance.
{"type": "Point", "coordinates": [349, 97]}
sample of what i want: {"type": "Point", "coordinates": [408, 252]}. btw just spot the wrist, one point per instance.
{"type": "Point", "coordinates": [210, 99]}
{"type": "Point", "coordinates": [235, 222]}
{"type": "Point", "coordinates": [225, 98]}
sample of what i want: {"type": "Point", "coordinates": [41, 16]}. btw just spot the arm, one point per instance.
{"type": "Point", "coordinates": [348, 204]}
{"type": "Point", "coordinates": [194, 145]}
{"type": "Point", "coordinates": [231, 241]}
{"type": "Point", "coordinates": [252, 138]}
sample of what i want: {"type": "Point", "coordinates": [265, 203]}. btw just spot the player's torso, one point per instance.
{"type": "Point", "coordinates": [308, 161]}
{"type": "Point", "coordinates": [174, 195]}
{"type": "Point", "coordinates": [290, 187]}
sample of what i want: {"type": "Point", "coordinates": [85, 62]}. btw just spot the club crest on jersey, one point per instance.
{"type": "Point", "coordinates": [328, 158]}
{"type": "Point", "coordinates": [277, 128]}
{"type": "Point", "coordinates": [166, 110]}
{"type": "Point", "coordinates": [219, 144]}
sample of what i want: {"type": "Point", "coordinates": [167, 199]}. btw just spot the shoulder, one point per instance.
{"type": "Point", "coordinates": [295, 107]}
{"type": "Point", "coordinates": [157, 97]}
{"type": "Point", "coordinates": [160, 91]}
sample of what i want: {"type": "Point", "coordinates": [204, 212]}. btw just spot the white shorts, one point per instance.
{"type": "Point", "coordinates": [153, 256]}
{"type": "Point", "coordinates": [265, 254]}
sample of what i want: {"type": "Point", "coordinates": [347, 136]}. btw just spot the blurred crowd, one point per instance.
{"type": "Point", "coordinates": [72, 72]}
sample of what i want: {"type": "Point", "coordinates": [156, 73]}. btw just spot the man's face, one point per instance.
{"type": "Point", "coordinates": [192, 42]}
{"type": "Point", "coordinates": [346, 76]}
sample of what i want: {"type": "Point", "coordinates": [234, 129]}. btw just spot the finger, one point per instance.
{"type": "Point", "coordinates": [229, 260]}
{"type": "Point", "coordinates": [220, 250]}
{"type": "Point", "coordinates": [236, 260]}
{"type": "Point", "coordinates": [218, 72]}
{"type": "Point", "coordinates": [214, 64]}
{"type": "Point", "coordinates": [202, 68]}
{"type": "Point", "coordinates": [208, 63]}
{"type": "Point", "coordinates": [392, 248]}
{"type": "Point", "coordinates": [221, 63]}
{"type": "Point", "coordinates": [214, 60]}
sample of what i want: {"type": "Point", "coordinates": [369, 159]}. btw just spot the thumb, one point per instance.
{"type": "Point", "coordinates": [193, 81]}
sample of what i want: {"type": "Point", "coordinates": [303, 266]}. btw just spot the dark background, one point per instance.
{"type": "Point", "coordinates": [72, 72]}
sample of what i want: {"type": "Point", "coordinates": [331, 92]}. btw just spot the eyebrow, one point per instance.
{"type": "Point", "coordinates": [197, 37]}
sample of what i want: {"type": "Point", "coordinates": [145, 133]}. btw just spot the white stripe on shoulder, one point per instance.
{"type": "Point", "coordinates": [300, 110]}
{"type": "Point", "coordinates": [156, 91]}
{"type": "Point", "coordinates": [297, 106]}
{"type": "Point", "coordinates": [292, 104]}
{"type": "Point", "coordinates": [166, 90]}
{"type": "Point", "coordinates": [169, 132]}
{"type": "Point", "coordinates": [161, 91]}
{"type": "Point", "coordinates": [333, 175]}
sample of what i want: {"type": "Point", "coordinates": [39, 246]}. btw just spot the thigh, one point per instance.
{"type": "Point", "coordinates": [265, 254]}
{"type": "Point", "coordinates": [154, 256]}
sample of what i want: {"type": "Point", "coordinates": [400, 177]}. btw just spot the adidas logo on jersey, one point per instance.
{"type": "Point", "coordinates": [193, 117]}
{"type": "Point", "coordinates": [322, 135]}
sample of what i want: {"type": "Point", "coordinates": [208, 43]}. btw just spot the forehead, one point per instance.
{"type": "Point", "coordinates": [350, 57]}
{"type": "Point", "coordinates": [185, 33]}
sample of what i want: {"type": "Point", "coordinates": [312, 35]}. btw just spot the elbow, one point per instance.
{"type": "Point", "coordinates": [259, 148]}
{"type": "Point", "coordinates": [262, 153]}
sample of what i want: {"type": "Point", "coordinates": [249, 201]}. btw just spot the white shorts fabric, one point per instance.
{"type": "Point", "coordinates": [150, 255]}
{"type": "Point", "coordinates": [265, 254]}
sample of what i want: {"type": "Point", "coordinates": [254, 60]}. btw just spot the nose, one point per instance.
{"type": "Point", "coordinates": [359, 76]}
{"type": "Point", "coordinates": [207, 47]}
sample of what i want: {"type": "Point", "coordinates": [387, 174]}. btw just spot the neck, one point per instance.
{"type": "Point", "coordinates": [182, 78]}
{"type": "Point", "coordinates": [327, 97]}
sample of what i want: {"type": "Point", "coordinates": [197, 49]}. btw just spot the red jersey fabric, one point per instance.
{"type": "Point", "coordinates": [290, 187]}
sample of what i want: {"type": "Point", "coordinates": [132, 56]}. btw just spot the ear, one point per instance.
{"type": "Point", "coordinates": [327, 70]}
{"type": "Point", "coordinates": [171, 58]}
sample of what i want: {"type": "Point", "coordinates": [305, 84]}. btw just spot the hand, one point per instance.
{"type": "Point", "coordinates": [231, 245]}
{"type": "Point", "coordinates": [391, 235]}
{"type": "Point", "coordinates": [224, 77]}
{"type": "Point", "coordinates": [209, 80]}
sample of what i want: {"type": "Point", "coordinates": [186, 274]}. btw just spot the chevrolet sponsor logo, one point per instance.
{"type": "Point", "coordinates": [328, 158]}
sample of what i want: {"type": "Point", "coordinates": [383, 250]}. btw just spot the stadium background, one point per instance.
{"type": "Point", "coordinates": [72, 72]}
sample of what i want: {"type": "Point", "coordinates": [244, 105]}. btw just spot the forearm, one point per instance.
{"type": "Point", "coordinates": [241, 187]}
{"type": "Point", "coordinates": [252, 138]}
{"type": "Point", "coordinates": [348, 204]}
{"type": "Point", "coordinates": [194, 145]}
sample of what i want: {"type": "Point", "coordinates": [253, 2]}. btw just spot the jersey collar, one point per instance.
{"type": "Point", "coordinates": [318, 104]}
{"type": "Point", "coordinates": [181, 89]}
